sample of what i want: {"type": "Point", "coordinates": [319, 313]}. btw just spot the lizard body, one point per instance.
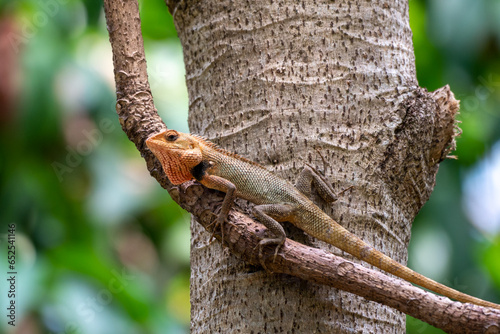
{"type": "Point", "coordinates": [185, 157]}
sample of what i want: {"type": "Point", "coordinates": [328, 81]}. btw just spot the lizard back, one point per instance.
{"type": "Point", "coordinates": [253, 182]}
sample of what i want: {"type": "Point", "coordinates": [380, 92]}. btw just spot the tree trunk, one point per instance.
{"type": "Point", "coordinates": [284, 83]}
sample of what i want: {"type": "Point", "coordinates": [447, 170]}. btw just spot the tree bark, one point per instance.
{"type": "Point", "coordinates": [139, 120]}
{"type": "Point", "coordinates": [276, 81]}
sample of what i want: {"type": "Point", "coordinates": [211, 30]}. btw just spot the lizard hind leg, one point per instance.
{"type": "Point", "coordinates": [310, 176]}
{"type": "Point", "coordinates": [270, 215]}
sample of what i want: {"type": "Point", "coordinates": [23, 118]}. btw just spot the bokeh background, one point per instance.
{"type": "Point", "coordinates": [101, 248]}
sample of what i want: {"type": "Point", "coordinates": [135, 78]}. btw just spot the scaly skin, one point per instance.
{"type": "Point", "coordinates": [185, 157]}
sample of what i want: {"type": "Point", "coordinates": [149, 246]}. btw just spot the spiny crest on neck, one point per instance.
{"type": "Point", "coordinates": [217, 148]}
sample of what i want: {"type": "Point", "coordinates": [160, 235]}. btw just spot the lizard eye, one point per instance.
{"type": "Point", "coordinates": [171, 137]}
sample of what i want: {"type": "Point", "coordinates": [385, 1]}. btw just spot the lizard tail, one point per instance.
{"type": "Point", "coordinates": [353, 245]}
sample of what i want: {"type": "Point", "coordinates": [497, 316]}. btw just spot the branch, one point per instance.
{"type": "Point", "coordinates": [243, 234]}
{"type": "Point", "coordinates": [139, 120]}
{"type": "Point", "coordinates": [134, 105]}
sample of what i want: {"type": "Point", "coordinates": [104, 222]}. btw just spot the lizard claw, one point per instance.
{"type": "Point", "coordinates": [218, 223]}
{"type": "Point", "coordinates": [343, 191]}
{"type": "Point", "coordinates": [269, 241]}
{"type": "Point", "coordinates": [214, 222]}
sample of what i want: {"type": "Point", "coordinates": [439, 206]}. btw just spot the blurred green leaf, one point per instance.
{"type": "Point", "coordinates": [490, 258]}
{"type": "Point", "coordinates": [74, 219]}
{"type": "Point", "coordinates": [157, 23]}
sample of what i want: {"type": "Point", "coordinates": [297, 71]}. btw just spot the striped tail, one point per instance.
{"type": "Point", "coordinates": [353, 245]}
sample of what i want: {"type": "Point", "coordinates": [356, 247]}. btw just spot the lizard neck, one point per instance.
{"type": "Point", "coordinates": [178, 166]}
{"type": "Point", "coordinates": [177, 172]}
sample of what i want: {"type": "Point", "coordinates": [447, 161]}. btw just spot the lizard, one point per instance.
{"type": "Point", "coordinates": [185, 157]}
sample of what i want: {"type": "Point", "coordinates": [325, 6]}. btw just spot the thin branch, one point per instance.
{"type": "Point", "coordinates": [139, 120]}
{"type": "Point", "coordinates": [243, 234]}
{"type": "Point", "coordinates": [135, 107]}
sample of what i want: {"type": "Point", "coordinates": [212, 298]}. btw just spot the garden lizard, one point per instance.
{"type": "Point", "coordinates": [185, 157]}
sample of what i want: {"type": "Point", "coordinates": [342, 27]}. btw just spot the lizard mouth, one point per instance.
{"type": "Point", "coordinates": [157, 145]}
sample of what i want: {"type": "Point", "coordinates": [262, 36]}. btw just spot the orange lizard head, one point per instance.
{"type": "Point", "coordinates": [178, 153]}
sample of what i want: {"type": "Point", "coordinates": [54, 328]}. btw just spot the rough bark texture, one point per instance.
{"type": "Point", "coordinates": [275, 80]}
{"type": "Point", "coordinates": [139, 119]}
{"type": "Point", "coordinates": [243, 235]}
{"type": "Point", "coordinates": [134, 105]}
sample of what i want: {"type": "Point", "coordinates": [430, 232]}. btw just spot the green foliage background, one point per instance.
{"type": "Point", "coordinates": [101, 248]}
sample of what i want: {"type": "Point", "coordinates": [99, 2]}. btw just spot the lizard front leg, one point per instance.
{"type": "Point", "coordinates": [221, 184]}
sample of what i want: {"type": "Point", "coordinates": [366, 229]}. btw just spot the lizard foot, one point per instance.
{"type": "Point", "coordinates": [218, 223]}
{"type": "Point", "coordinates": [278, 242]}
{"type": "Point", "coordinates": [213, 226]}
